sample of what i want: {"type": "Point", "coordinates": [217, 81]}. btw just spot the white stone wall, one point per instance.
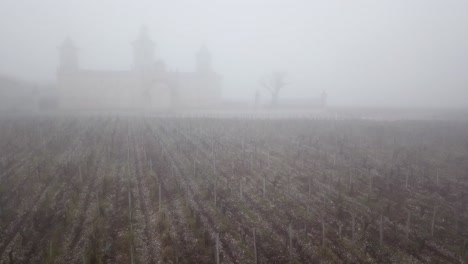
{"type": "Point", "coordinates": [124, 90]}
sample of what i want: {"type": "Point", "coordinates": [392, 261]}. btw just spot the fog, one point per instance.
{"type": "Point", "coordinates": [395, 53]}
{"type": "Point", "coordinates": [233, 131]}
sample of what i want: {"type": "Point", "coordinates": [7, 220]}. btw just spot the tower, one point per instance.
{"type": "Point", "coordinates": [68, 60]}
{"type": "Point", "coordinates": [203, 60]}
{"type": "Point", "coordinates": [323, 99]}
{"type": "Point", "coordinates": [143, 51]}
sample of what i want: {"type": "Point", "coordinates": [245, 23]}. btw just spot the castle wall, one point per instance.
{"type": "Point", "coordinates": [148, 85]}
{"type": "Point", "coordinates": [97, 90]}
{"type": "Point", "coordinates": [199, 90]}
{"type": "Point", "coordinates": [116, 90]}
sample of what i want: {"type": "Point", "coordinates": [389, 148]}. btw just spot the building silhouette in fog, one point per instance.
{"type": "Point", "coordinates": [148, 84]}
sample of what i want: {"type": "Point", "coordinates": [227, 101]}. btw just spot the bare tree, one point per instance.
{"type": "Point", "coordinates": [274, 83]}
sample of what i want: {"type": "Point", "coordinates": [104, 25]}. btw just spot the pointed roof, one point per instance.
{"type": "Point", "coordinates": [68, 44]}
{"type": "Point", "coordinates": [204, 50]}
{"type": "Point", "coordinates": [143, 37]}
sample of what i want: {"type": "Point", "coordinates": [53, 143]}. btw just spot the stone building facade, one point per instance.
{"type": "Point", "coordinates": [147, 85]}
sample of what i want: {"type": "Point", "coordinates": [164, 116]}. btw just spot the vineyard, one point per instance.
{"type": "Point", "coordinates": [232, 190]}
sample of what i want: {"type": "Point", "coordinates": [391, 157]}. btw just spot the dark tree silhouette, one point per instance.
{"type": "Point", "coordinates": [274, 83]}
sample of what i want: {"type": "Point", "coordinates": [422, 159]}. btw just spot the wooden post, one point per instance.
{"type": "Point", "coordinates": [128, 163]}
{"type": "Point", "coordinates": [217, 248]}
{"type": "Point", "coordinates": [240, 188]}
{"type": "Point", "coordinates": [255, 246]}
{"type": "Point", "coordinates": [212, 148]}
{"type": "Point", "coordinates": [290, 231]}
{"type": "Point", "coordinates": [214, 166]}
{"type": "Point", "coordinates": [251, 163]}
{"type": "Point", "coordinates": [98, 206]}
{"type": "Point", "coordinates": [132, 261]}
{"type": "Point", "coordinates": [160, 197]}
{"type": "Point", "coordinates": [269, 160]}
{"type": "Point", "coordinates": [353, 226]}
{"type": "Point", "coordinates": [408, 219]}
{"type": "Point", "coordinates": [130, 206]}
{"type": "Point", "coordinates": [381, 229]}
{"type": "Point", "coordinates": [215, 194]}
{"type": "Point", "coordinates": [50, 248]}
{"type": "Point", "coordinates": [323, 231]}
{"type": "Point", "coordinates": [433, 221]}
{"type": "Point", "coordinates": [130, 211]}
{"type": "Point", "coordinates": [350, 180]}
{"type": "Point", "coordinates": [406, 183]}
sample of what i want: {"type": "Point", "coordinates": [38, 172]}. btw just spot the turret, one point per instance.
{"type": "Point", "coordinates": [203, 60]}
{"type": "Point", "coordinates": [324, 99]}
{"type": "Point", "coordinates": [68, 53]}
{"type": "Point", "coordinates": [143, 51]}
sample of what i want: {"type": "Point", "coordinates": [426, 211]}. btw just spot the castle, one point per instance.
{"type": "Point", "coordinates": [147, 85]}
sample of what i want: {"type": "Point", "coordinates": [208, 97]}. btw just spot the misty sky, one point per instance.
{"type": "Point", "coordinates": [375, 52]}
